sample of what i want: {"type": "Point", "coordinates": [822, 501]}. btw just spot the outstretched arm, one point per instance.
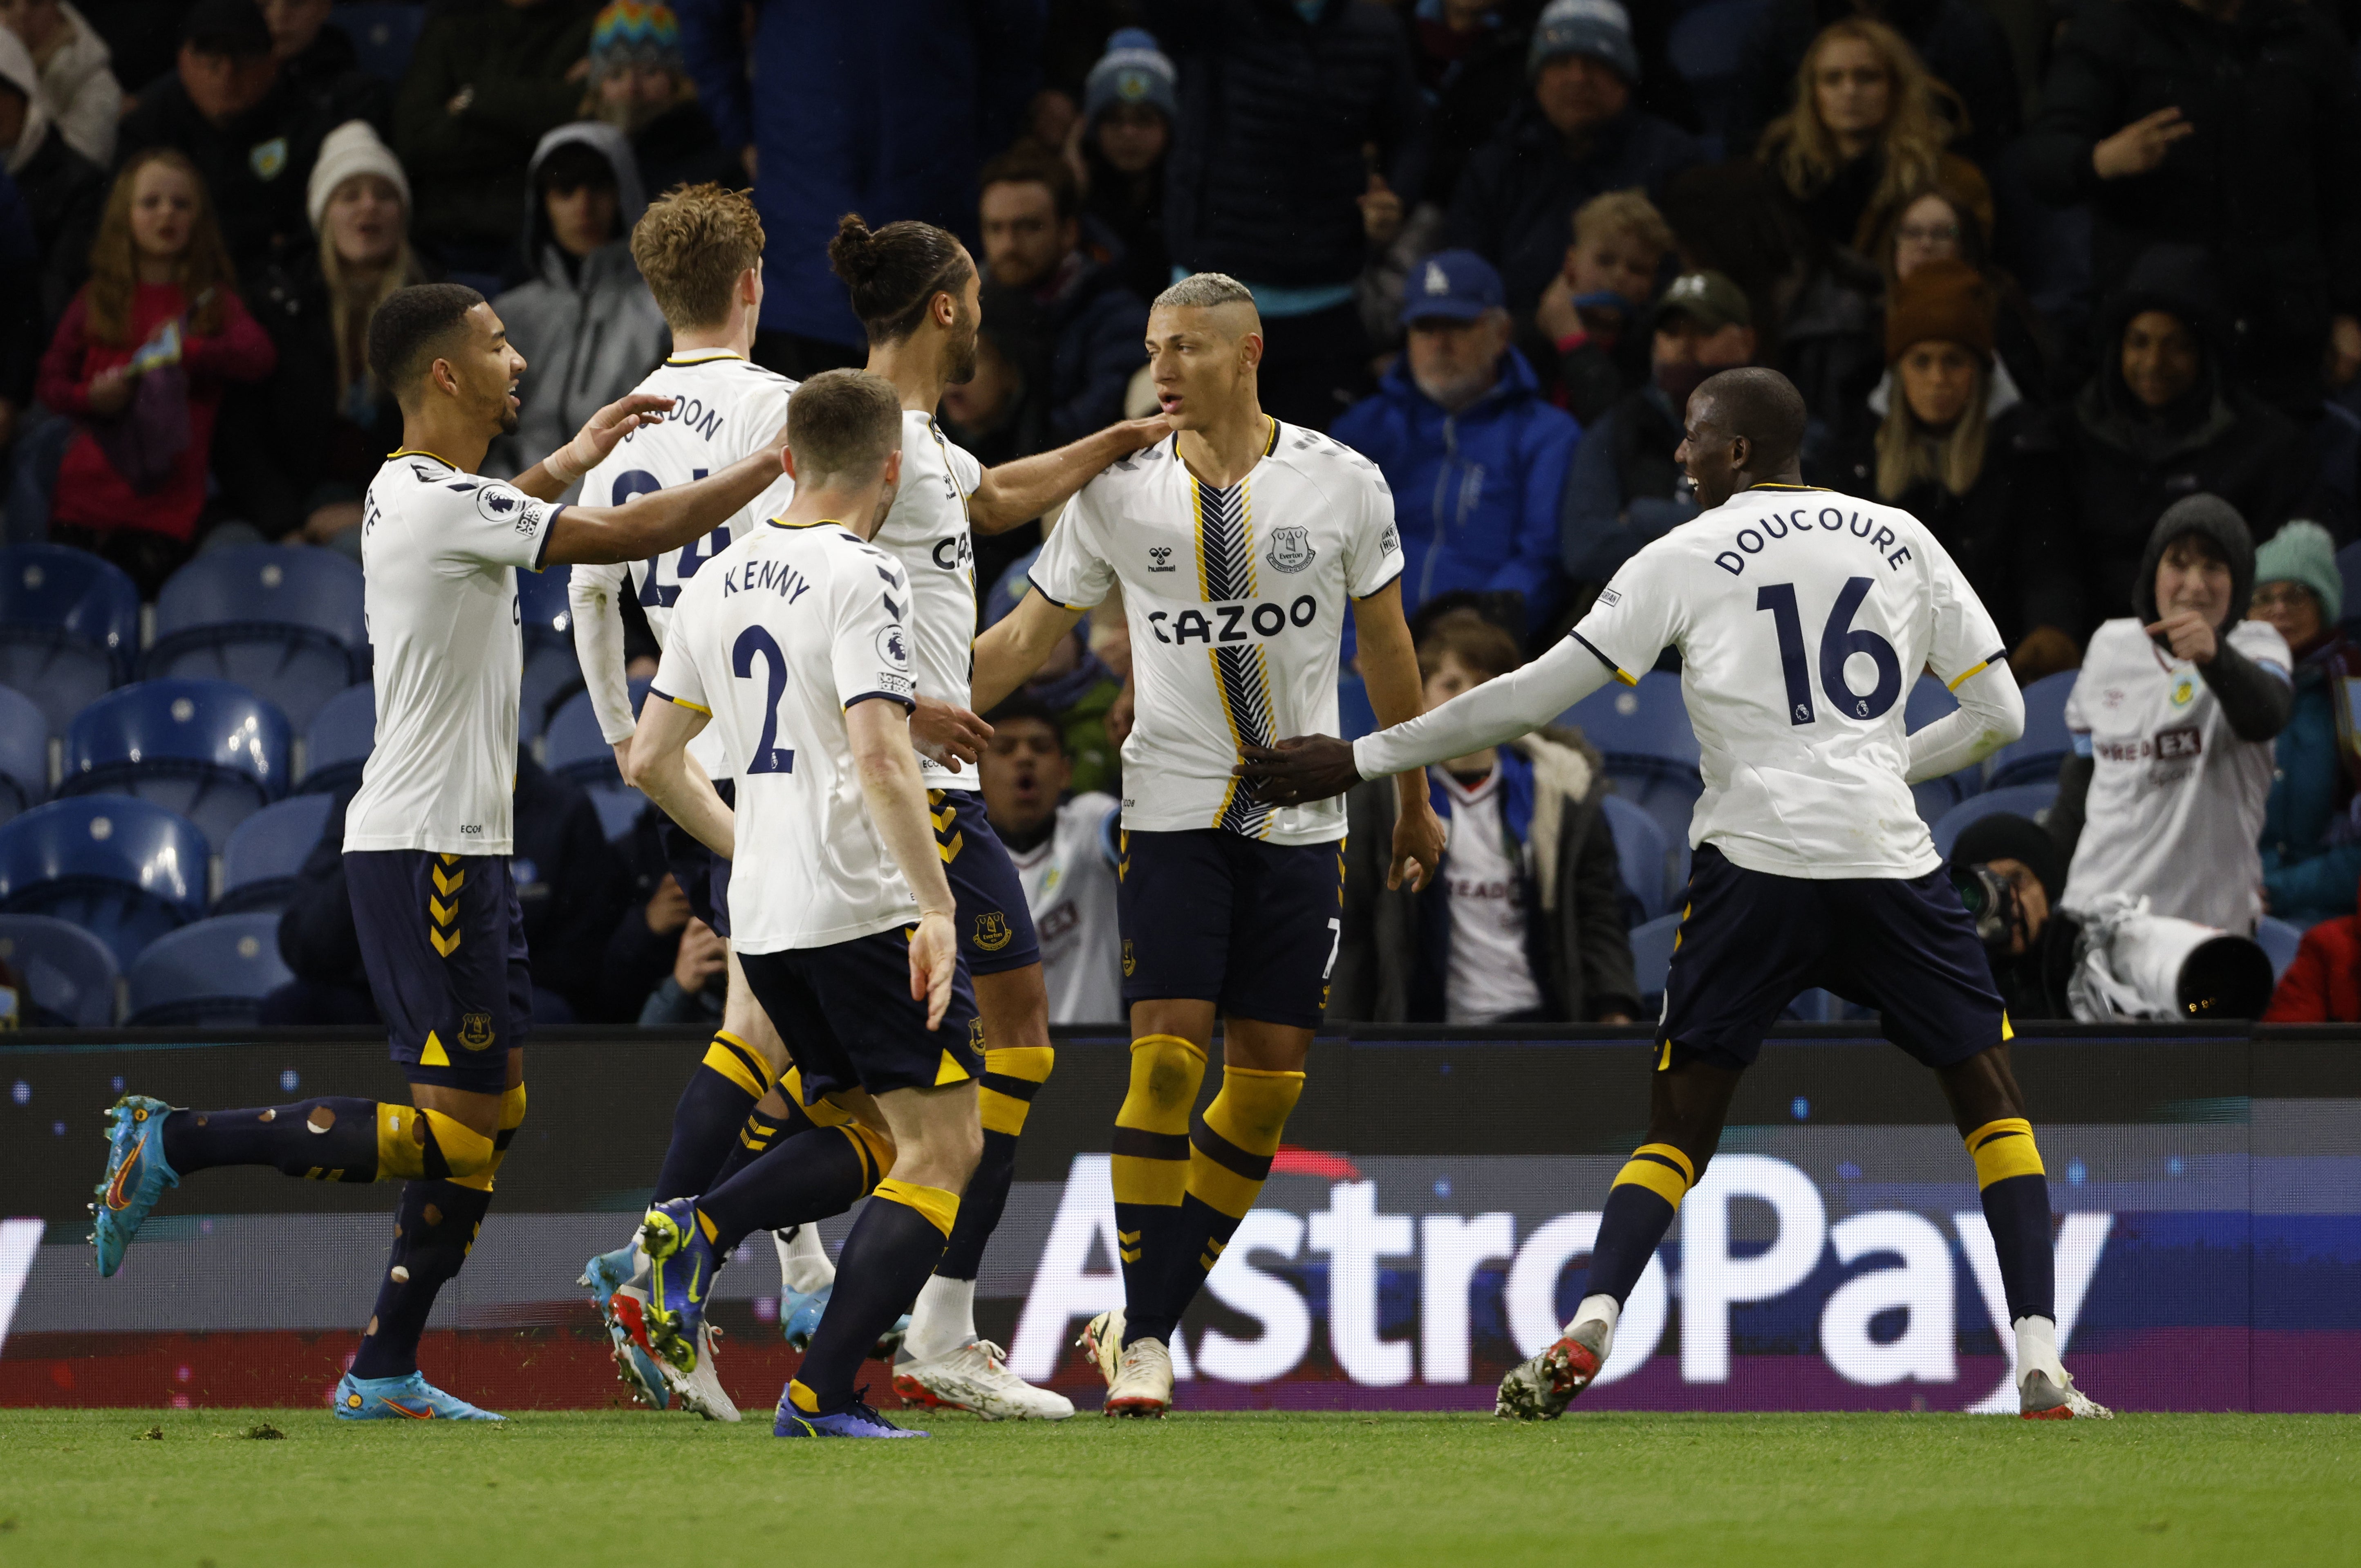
{"type": "Point", "coordinates": [1991, 715]}
{"type": "Point", "coordinates": [601, 433]}
{"type": "Point", "coordinates": [661, 769]}
{"type": "Point", "coordinates": [1014, 649]}
{"type": "Point", "coordinates": [662, 520]}
{"type": "Point", "coordinates": [1022, 490]}
{"type": "Point", "coordinates": [1389, 668]}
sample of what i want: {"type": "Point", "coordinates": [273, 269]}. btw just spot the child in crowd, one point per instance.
{"type": "Point", "coordinates": [1619, 244]}
{"type": "Point", "coordinates": [140, 361]}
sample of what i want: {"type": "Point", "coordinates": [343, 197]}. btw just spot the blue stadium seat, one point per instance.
{"type": "Point", "coordinates": [1707, 47]}
{"type": "Point", "coordinates": [1651, 751]}
{"type": "Point", "coordinates": [543, 609]}
{"type": "Point", "coordinates": [2024, 800]}
{"type": "Point", "coordinates": [384, 36]}
{"type": "Point", "coordinates": [211, 751]}
{"type": "Point", "coordinates": [2036, 757]}
{"type": "Point", "coordinates": [212, 974]}
{"type": "Point", "coordinates": [260, 862]}
{"type": "Point", "coordinates": [619, 807]}
{"type": "Point", "coordinates": [550, 667]}
{"type": "Point", "coordinates": [1355, 716]}
{"type": "Point", "coordinates": [1641, 856]}
{"type": "Point", "coordinates": [283, 622]}
{"type": "Point", "coordinates": [1928, 701]}
{"type": "Point", "coordinates": [573, 748]}
{"type": "Point", "coordinates": [2279, 938]}
{"type": "Point", "coordinates": [24, 753]}
{"type": "Point", "coordinates": [339, 742]}
{"type": "Point", "coordinates": [69, 627]}
{"type": "Point", "coordinates": [69, 971]}
{"type": "Point", "coordinates": [1652, 956]}
{"type": "Point", "coordinates": [125, 869]}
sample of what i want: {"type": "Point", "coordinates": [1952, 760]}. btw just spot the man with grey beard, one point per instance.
{"type": "Point", "coordinates": [1474, 455]}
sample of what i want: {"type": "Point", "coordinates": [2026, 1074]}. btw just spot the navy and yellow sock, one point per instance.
{"type": "Point", "coordinates": [1230, 1150]}
{"type": "Point", "coordinates": [2015, 1191]}
{"type": "Point", "coordinates": [433, 1230]}
{"type": "Point", "coordinates": [1639, 1208]}
{"type": "Point", "coordinates": [800, 1181]}
{"type": "Point", "coordinates": [893, 1246]}
{"type": "Point", "coordinates": [706, 1123]}
{"type": "Point", "coordinates": [1149, 1163]}
{"type": "Point", "coordinates": [328, 1140]}
{"type": "Point", "coordinates": [1010, 1078]}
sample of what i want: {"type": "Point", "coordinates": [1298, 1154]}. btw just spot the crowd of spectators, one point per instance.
{"type": "Point", "coordinates": [2078, 282]}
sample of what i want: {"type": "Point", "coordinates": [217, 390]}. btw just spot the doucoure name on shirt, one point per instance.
{"type": "Point", "coordinates": [1761, 535]}
{"type": "Point", "coordinates": [755, 576]}
{"type": "Point", "coordinates": [1243, 621]}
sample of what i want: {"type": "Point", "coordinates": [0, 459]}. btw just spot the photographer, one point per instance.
{"type": "Point", "coordinates": [2009, 872]}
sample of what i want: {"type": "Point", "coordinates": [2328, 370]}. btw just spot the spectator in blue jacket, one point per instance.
{"type": "Point", "coordinates": [2312, 855]}
{"type": "Point", "coordinates": [883, 108]}
{"type": "Point", "coordinates": [1475, 456]}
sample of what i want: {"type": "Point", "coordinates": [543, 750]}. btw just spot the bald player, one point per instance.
{"type": "Point", "coordinates": [1240, 542]}
{"type": "Point", "coordinates": [1801, 615]}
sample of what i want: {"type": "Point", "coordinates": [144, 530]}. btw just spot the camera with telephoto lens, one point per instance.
{"type": "Point", "coordinates": [1991, 904]}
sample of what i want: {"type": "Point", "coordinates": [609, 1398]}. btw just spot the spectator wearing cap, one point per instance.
{"type": "Point", "coordinates": [640, 85]}
{"type": "Point", "coordinates": [1577, 135]}
{"type": "Point", "coordinates": [1626, 487]}
{"type": "Point", "coordinates": [1077, 328]}
{"type": "Point", "coordinates": [1961, 44]}
{"type": "Point", "coordinates": [1270, 181]}
{"type": "Point", "coordinates": [2312, 854]}
{"type": "Point", "coordinates": [1074, 683]}
{"type": "Point", "coordinates": [296, 454]}
{"type": "Point", "coordinates": [2031, 950]}
{"type": "Point", "coordinates": [78, 87]}
{"type": "Point", "coordinates": [1476, 458]}
{"type": "Point", "coordinates": [1129, 103]}
{"type": "Point", "coordinates": [320, 62]}
{"type": "Point", "coordinates": [64, 189]}
{"type": "Point", "coordinates": [1959, 448]}
{"type": "Point", "coordinates": [485, 85]}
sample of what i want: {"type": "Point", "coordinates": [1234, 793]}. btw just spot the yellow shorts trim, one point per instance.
{"type": "Point", "coordinates": [940, 1208]}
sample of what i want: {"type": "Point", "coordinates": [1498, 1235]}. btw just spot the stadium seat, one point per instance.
{"type": "Point", "coordinates": [1652, 956]}
{"type": "Point", "coordinates": [262, 857]}
{"type": "Point", "coordinates": [69, 627]}
{"type": "Point", "coordinates": [573, 748]}
{"type": "Point", "coordinates": [543, 610]}
{"type": "Point", "coordinates": [69, 971]}
{"type": "Point", "coordinates": [1652, 753]}
{"type": "Point", "coordinates": [285, 622]}
{"type": "Point", "coordinates": [212, 974]}
{"type": "Point", "coordinates": [550, 668]}
{"type": "Point", "coordinates": [1355, 716]}
{"type": "Point", "coordinates": [24, 753]}
{"type": "Point", "coordinates": [619, 807]}
{"type": "Point", "coordinates": [384, 36]}
{"type": "Point", "coordinates": [125, 869]}
{"type": "Point", "coordinates": [211, 751]}
{"type": "Point", "coordinates": [2036, 757]}
{"type": "Point", "coordinates": [2025, 800]}
{"type": "Point", "coordinates": [339, 742]}
{"type": "Point", "coordinates": [1928, 701]}
{"type": "Point", "coordinates": [2279, 939]}
{"type": "Point", "coordinates": [1642, 855]}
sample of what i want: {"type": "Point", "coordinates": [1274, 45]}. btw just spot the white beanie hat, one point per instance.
{"type": "Point", "coordinates": [352, 149]}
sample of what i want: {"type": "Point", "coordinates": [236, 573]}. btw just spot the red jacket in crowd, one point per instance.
{"type": "Point", "coordinates": [2323, 984]}
{"type": "Point", "coordinates": [90, 493]}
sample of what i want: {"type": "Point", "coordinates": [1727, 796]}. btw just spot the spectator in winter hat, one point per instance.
{"type": "Point", "coordinates": [1129, 104]}
{"type": "Point", "coordinates": [2311, 856]}
{"type": "Point", "coordinates": [640, 85]}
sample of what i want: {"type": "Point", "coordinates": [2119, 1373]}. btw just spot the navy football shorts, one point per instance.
{"type": "Point", "coordinates": [1216, 916]}
{"type": "Point", "coordinates": [846, 1014]}
{"type": "Point", "coordinates": [996, 928]}
{"type": "Point", "coordinates": [443, 937]}
{"type": "Point", "coordinates": [1750, 942]}
{"type": "Point", "coordinates": [703, 875]}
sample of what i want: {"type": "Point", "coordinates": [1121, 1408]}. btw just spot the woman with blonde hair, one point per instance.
{"type": "Point", "coordinates": [1868, 128]}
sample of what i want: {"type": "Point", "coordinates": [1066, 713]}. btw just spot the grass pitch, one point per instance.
{"type": "Point", "coordinates": [97, 1489]}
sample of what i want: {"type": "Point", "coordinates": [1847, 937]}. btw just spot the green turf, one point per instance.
{"type": "Point", "coordinates": [85, 1488]}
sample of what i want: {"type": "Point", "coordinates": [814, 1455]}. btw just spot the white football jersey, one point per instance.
{"type": "Point", "coordinates": [1236, 600]}
{"type": "Point", "coordinates": [724, 408]}
{"type": "Point", "coordinates": [926, 529]}
{"type": "Point", "coordinates": [775, 641]}
{"type": "Point", "coordinates": [439, 552]}
{"type": "Point", "coordinates": [2176, 800]}
{"type": "Point", "coordinates": [1069, 887]}
{"type": "Point", "coordinates": [1802, 618]}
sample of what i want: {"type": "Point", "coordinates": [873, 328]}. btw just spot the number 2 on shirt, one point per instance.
{"type": "Point", "coordinates": [1838, 642]}
{"type": "Point", "coordinates": [769, 756]}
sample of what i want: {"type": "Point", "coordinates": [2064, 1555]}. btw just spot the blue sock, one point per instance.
{"type": "Point", "coordinates": [1639, 1208]}
{"type": "Point", "coordinates": [434, 1228]}
{"type": "Point", "coordinates": [711, 1111]}
{"type": "Point", "coordinates": [893, 1246]}
{"type": "Point", "coordinates": [290, 1138]}
{"type": "Point", "coordinates": [801, 1180]}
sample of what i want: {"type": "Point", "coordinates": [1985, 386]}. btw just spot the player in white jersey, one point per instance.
{"type": "Point", "coordinates": [1801, 617]}
{"type": "Point", "coordinates": [794, 647]}
{"type": "Point", "coordinates": [916, 291]}
{"type": "Point", "coordinates": [1064, 853]}
{"type": "Point", "coordinates": [427, 839]}
{"type": "Point", "coordinates": [1239, 546]}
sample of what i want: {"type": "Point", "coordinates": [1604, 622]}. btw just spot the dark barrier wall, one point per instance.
{"type": "Point", "coordinates": [1429, 1222]}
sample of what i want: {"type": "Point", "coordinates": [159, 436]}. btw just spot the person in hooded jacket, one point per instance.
{"type": "Point", "coordinates": [2173, 718]}
{"type": "Point", "coordinates": [65, 191]}
{"type": "Point", "coordinates": [1961, 450]}
{"type": "Point", "coordinates": [2162, 420]}
{"type": "Point", "coordinates": [586, 324]}
{"type": "Point", "coordinates": [78, 84]}
{"type": "Point", "coordinates": [1475, 457]}
{"type": "Point", "coordinates": [2311, 855]}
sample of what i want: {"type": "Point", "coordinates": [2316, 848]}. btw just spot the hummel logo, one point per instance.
{"type": "Point", "coordinates": [1161, 557]}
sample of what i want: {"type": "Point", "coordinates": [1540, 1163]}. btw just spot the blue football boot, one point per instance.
{"type": "Point", "coordinates": [799, 1315]}
{"type": "Point", "coordinates": [856, 1419]}
{"type": "Point", "coordinates": [680, 1278]}
{"type": "Point", "coordinates": [411, 1398]}
{"type": "Point", "coordinates": [623, 1306]}
{"type": "Point", "coordinates": [136, 1175]}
